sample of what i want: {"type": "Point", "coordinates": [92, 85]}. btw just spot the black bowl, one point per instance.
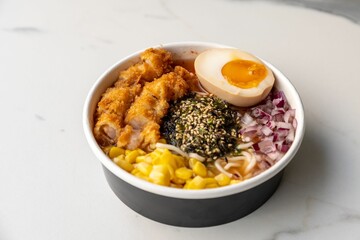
{"type": "Point", "coordinates": [192, 212]}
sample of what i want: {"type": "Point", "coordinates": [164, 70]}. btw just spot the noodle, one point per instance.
{"type": "Point", "coordinates": [173, 148]}
{"type": "Point", "coordinates": [221, 169]}
{"type": "Point", "coordinates": [232, 164]}
{"type": "Point", "coordinates": [197, 156]}
{"type": "Point", "coordinates": [252, 161]}
{"type": "Point", "coordinates": [244, 145]}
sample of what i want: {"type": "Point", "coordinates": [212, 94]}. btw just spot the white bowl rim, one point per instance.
{"type": "Point", "coordinates": [193, 194]}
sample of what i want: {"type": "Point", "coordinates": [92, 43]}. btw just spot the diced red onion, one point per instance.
{"type": "Point", "coordinates": [271, 124]}
{"type": "Point", "coordinates": [274, 124]}
{"type": "Point", "coordinates": [267, 146]}
{"type": "Point", "coordinates": [273, 155]}
{"type": "Point", "coordinates": [283, 125]}
{"type": "Point", "coordinates": [246, 119]}
{"type": "Point", "coordinates": [266, 130]}
{"type": "Point", "coordinates": [278, 102]}
{"type": "Point", "coordinates": [294, 123]}
{"type": "Point", "coordinates": [289, 114]}
{"type": "Point", "coordinates": [291, 136]}
{"type": "Point", "coordinates": [276, 111]}
{"type": "Point", "coordinates": [284, 148]}
{"type": "Point", "coordinates": [268, 138]}
{"type": "Point", "coordinates": [249, 129]}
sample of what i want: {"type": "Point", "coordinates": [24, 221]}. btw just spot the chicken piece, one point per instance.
{"type": "Point", "coordinates": [116, 101]}
{"type": "Point", "coordinates": [107, 129]}
{"type": "Point", "coordinates": [111, 113]}
{"type": "Point", "coordinates": [189, 77]}
{"type": "Point", "coordinates": [154, 62]}
{"type": "Point", "coordinates": [140, 138]}
{"type": "Point", "coordinates": [129, 137]}
{"type": "Point", "coordinates": [150, 134]}
{"type": "Point", "coordinates": [145, 114]}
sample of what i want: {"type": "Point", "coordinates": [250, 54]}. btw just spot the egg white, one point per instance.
{"type": "Point", "coordinates": [208, 66]}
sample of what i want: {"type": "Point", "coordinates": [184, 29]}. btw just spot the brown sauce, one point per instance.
{"type": "Point", "coordinates": [188, 64]}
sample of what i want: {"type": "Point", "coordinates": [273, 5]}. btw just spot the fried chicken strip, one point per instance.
{"type": "Point", "coordinates": [154, 62]}
{"type": "Point", "coordinates": [144, 116]}
{"type": "Point", "coordinates": [116, 101]}
{"type": "Point", "coordinates": [111, 113]}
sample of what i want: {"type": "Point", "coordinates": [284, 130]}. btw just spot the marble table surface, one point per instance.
{"type": "Point", "coordinates": [51, 53]}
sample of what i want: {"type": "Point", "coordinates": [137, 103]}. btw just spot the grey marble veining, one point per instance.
{"type": "Point", "coordinates": [24, 30]}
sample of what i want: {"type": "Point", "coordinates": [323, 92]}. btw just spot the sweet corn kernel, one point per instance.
{"type": "Point", "coordinates": [141, 152]}
{"type": "Point", "coordinates": [183, 173]}
{"type": "Point", "coordinates": [222, 179]}
{"type": "Point", "coordinates": [131, 156]}
{"type": "Point", "coordinates": [210, 181]}
{"type": "Point", "coordinates": [140, 159]}
{"type": "Point", "coordinates": [160, 175]}
{"type": "Point", "coordinates": [178, 181]}
{"type": "Point", "coordinates": [162, 140]}
{"type": "Point", "coordinates": [196, 183]}
{"type": "Point", "coordinates": [146, 158]}
{"type": "Point", "coordinates": [211, 185]}
{"type": "Point", "coordinates": [123, 164]}
{"type": "Point", "coordinates": [176, 185]}
{"type": "Point", "coordinates": [233, 181]}
{"type": "Point", "coordinates": [200, 169]}
{"type": "Point", "coordinates": [162, 161]}
{"type": "Point", "coordinates": [139, 174]}
{"type": "Point", "coordinates": [210, 174]}
{"type": "Point", "coordinates": [107, 149]}
{"type": "Point", "coordinates": [144, 167]}
{"type": "Point", "coordinates": [171, 171]}
{"type": "Point", "coordinates": [115, 152]}
{"type": "Point", "coordinates": [192, 162]}
{"type": "Point", "coordinates": [155, 155]}
{"type": "Point", "coordinates": [180, 161]}
{"type": "Point", "coordinates": [168, 158]}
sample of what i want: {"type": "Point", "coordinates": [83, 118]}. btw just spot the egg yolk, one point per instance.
{"type": "Point", "coordinates": [244, 73]}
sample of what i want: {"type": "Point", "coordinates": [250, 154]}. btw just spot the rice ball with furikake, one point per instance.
{"type": "Point", "coordinates": [202, 124]}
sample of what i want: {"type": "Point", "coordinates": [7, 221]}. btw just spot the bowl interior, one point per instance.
{"type": "Point", "coordinates": [187, 51]}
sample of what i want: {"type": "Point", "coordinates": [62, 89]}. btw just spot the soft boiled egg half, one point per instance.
{"type": "Point", "coordinates": [234, 76]}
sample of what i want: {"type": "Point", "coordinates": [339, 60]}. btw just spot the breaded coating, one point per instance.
{"type": "Point", "coordinates": [129, 114]}
{"type": "Point", "coordinates": [145, 114]}
{"type": "Point", "coordinates": [111, 113]}
{"type": "Point", "coordinates": [116, 101]}
{"type": "Point", "coordinates": [154, 62]}
{"type": "Point", "coordinates": [107, 129]}
{"type": "Point", "coordinates": [189, 77]}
